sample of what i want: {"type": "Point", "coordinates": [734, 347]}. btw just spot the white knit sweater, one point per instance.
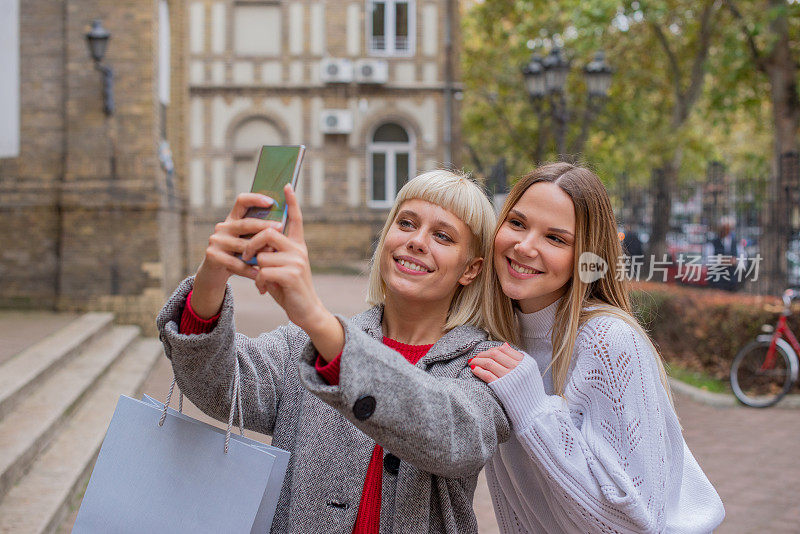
{"type": "Point", "coordinates": [609, 456]}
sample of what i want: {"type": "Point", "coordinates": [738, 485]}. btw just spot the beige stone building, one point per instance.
{"type": "Point", "coordinates": [369, 86]}
{"type": "Point", "coordinates": [91, 219]}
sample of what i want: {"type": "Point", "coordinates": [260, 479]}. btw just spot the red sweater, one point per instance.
{"type": "Point", "coordinates": [368, 519]}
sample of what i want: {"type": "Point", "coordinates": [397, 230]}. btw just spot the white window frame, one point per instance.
{"type": "Point", "coordinates": [390, 49]}
{"type": "Point", "coordinates": [164, 53]}
{"type": "Point", "coordinates": [390, 150]}
{"type": "Point", "coordinates": [164, 68]}
{"type": "Point", "coordinates": [10, 84]}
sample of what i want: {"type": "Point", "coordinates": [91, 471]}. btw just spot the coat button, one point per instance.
{"type": "Point", "coordinates": [391, 463]}
{"type": "Point", "coordinates": [364, 407]}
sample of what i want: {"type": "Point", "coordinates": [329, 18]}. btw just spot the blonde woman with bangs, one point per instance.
{"type": "Point", "coordinates": [387, 427]}
{"type": "Point", "coordinates": [596, 443]}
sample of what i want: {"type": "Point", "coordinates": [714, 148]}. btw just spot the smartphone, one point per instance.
{"type": "Point", "coordinates": [277, 166]}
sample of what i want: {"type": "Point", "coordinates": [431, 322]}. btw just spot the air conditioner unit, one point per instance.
{"type": "Point", "coordinates": [336, 70]}
{"type": "Point", "coordinates": [371, 71]}
{"type": "Point", "coordinates": [336, 121]}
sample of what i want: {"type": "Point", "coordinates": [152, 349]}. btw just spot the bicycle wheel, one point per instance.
{"type": "Point", "coordinates": [755, 385]}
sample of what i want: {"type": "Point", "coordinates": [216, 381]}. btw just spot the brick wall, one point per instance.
{"type": "Point", "coordinates": [27, 182]}
{"type": "Point", "coordinates": [79, 232]}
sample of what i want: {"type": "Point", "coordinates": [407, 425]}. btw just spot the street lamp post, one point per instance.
{"type": "Point", "coordinates": [715, 177]}
{"type": "Point", "coordinates": [97, 39]}
{"type": "Point", "coordinates": [556, 67]}
{"type": "Point", "coordinates": [533, 74]}
{"type": "Point", "coordinates": [546, 79]}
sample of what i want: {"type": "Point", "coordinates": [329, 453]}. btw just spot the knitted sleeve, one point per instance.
{"type": "Point", "coordinates": [191, 323]}
{"type": "Point", "coordinates": [604, 449]}
{"type": "Point", "coordinates": [329, 370]}
{"type": "Point", "coordinates": [204, 363]}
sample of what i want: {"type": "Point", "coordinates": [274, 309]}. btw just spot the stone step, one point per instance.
{"type": "Point", "coordinates": [20, 374]}
{"type": "Point", "coordinates": [35, 419]}
{"type": "Point", "coordinates": [42, 497]}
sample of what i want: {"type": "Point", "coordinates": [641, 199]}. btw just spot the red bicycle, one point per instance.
{"type": "Point", "coordinates": [765, 370]}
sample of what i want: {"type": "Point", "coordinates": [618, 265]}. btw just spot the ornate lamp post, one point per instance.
{"type": "Point", "coordinates": [534, 78]}
{"type": "Point", "coordinates": [715, 177]}
{"type": "Point", "coordinates": [598, 76]}
{"type": "Point", "coordinates": [546, 79]}
{"type": "Point", "coordinates": [556, 67]}
{"type": "Point", "coordinates": [97, 39]}
{"type": "Point", "coordinates": [533, 74]}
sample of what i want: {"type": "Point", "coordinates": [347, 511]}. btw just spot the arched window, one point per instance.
{"type": "Point", "coordinates": [391, 162]}
{"type": "Point", "coordinates": [247, 141]}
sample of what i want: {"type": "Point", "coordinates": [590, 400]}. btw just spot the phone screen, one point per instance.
{"type": "Point", "coordinates": [277, 166]}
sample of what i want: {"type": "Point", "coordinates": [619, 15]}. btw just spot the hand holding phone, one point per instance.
{"type": "Point", "coordinates": [224, 245]}
{"type": "Point", "coordinates": [277, 166]}
{"type": "Point", "coordinates": [285, 274]}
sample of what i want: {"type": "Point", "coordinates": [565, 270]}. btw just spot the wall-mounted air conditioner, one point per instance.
{"type": "Point", "coordinates": [371, 71]}
{"type": "Point", "coordinates": [336, 121]}
{"type": "Point", "coordinates": [336, 70]}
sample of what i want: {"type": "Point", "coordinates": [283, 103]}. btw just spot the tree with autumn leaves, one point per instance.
{"type": "Point", "coordinates": [693, 79]}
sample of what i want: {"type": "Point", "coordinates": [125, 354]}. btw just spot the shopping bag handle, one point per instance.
{"type": "Point", "coordinates": [169, 398]}
{"type": "Point", "coordinates": [236, 402]}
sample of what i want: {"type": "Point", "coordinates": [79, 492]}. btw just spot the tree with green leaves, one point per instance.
{"type": "Point", "coordinates": [659, 48]}
{"type": "Point", "coordinates": [684, 40]}
{"type": "Point", "coordinates": [763, 51]}
{"type": "Point", "coordinates": [694, 81]}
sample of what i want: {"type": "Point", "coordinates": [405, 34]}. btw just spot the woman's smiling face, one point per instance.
{"type": "Point", "coordinates": [534, 247]}
{"type": "Point", "coordinates": [427, 253]}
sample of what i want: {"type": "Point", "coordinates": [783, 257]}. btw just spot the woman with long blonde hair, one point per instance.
{"type": "Point", "coordinates": [596, 443]}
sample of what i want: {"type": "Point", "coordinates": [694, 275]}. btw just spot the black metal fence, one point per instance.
{"type": "Point", "coordinates": [764, 235]}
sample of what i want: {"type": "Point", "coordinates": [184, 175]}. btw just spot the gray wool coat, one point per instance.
{"type": "Point", "coordinates": [436, 417]}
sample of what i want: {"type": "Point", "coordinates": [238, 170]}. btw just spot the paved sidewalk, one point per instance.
{"type": "Point", "coordinates": [748, 454]}
{"type": "Point", "coordinates": [21, 329]}
{"type": "Point", "coordinates": [751, 458]}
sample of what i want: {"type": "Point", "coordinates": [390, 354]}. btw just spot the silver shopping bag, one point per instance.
{"type": "Point", "coordinates": [162, 471]}
{"type": "Point", "coordinates": [269, 502]}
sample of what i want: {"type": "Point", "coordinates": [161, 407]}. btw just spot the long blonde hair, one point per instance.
{"type": "Point", "coordinates": [465, 199]}
{"type": "Point", "coordinates": [596, 232]}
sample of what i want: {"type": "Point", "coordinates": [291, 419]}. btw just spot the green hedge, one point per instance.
{"type": "Point", "coordinates": [703, 329]}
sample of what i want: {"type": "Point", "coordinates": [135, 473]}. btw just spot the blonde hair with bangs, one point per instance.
{"type": "Point", "coordinates": [596, 232]}
{"type": "Point", "coordinates": [464, 198]}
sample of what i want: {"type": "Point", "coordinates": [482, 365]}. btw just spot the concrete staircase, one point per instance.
{"type": "Point", "coordinates": [56, 400]}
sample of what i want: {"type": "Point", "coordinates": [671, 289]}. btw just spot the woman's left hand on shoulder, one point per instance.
{"type": "Point", "coordinates": [495, 363]}
{"type": "Point", "coordinates": [283, 266]}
